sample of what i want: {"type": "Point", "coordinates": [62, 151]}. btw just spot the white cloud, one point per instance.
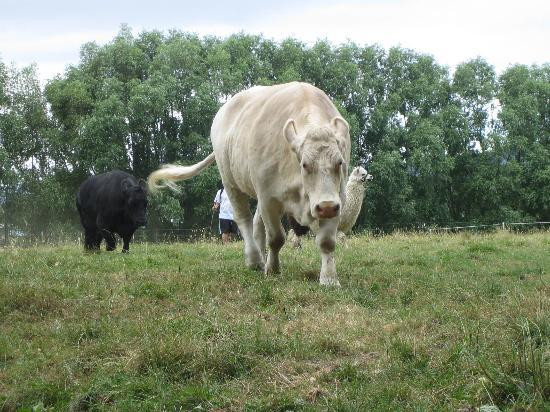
{"type": "Point", "coordinates": [51, 52]}
{"type": "Point", "coordinates": [16, 43]}
{"type": "Point", "coordinates": [502, 32]}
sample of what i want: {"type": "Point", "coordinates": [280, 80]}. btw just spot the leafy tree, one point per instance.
{"type": "Point", "coordinates": [525, 143]}
{"type": "Point", "coordinates": [467, 147]}
{"type": "Point", "coordinates": [389, 201]}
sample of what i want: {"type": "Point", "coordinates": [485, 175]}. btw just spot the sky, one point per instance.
{"type": "Point", "coordinates": [50, 33]}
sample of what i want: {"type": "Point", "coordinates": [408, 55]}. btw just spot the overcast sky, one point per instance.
{"type": "Point", "coordinates": [504, 32]}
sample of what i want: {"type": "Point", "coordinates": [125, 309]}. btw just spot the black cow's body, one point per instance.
{"type": "Point", "coordinates": [298, 228]}
{"type": "Point", "coordinates": [109, 203]}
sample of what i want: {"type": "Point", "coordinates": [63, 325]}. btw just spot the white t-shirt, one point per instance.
{"type": "Point", "coordinates": [226, 210]}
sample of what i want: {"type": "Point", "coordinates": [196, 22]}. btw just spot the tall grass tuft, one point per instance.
{"type": "Point", "coordinates": [522, 372]}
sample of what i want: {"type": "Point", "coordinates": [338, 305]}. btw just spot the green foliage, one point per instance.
{"type": "Point", "coordinates": [442, 148]}
{"type": "Point", "coordinates": [525, 116]}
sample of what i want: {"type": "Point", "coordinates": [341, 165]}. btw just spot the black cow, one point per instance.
{"type": "Point", "coordinates": [298, 228]}
{"type": "Point", "coordinates": [109, 203]}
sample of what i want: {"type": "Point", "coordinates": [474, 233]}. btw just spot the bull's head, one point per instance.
{"type": "Point", "coordinates": [135, 201]}
{"type": "Point", "coordinates": [321, 151]}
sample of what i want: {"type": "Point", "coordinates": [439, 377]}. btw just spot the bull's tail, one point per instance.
{"type": "Point", "coordinates": [169, 174]}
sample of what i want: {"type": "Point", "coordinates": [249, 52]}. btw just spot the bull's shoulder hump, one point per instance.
{"type": "Point", "coordinates": [259, 93]}
{"type": "Point", "coordinates": [305, 94]}
{"type": "Point", "coordinates": [306, 88]}
{"type": "Point", "coordinates": [294, 99]}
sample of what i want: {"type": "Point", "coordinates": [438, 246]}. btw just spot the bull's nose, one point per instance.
{"type": "Point", "coordinates": [327, 210]}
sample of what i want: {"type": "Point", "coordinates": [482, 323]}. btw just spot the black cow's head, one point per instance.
{"type": "Point", "coordinates": [135, 201]}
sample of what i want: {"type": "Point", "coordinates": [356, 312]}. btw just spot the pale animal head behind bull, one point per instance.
{"type": "Point", "coordinates": [321, 153]}
{"type": "Point", "coordinates": [359, 174]}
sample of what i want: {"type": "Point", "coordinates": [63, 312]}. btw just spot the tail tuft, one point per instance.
{"type": "Point", "coordinates": [167, 175]}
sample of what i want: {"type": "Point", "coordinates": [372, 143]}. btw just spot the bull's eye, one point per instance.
{"type": "Point", "coordinates": [305, 166]}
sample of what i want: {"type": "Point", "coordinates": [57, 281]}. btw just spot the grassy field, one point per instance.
{"type": "Point", "coordinates": [444, 322]}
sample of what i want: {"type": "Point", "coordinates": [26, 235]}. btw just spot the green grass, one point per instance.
{"type": "Point", "coordinates": [441, 322]}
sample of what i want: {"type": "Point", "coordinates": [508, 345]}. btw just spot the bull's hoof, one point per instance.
{"type": "Point", "coordinates": [255, 261]}
{"type": "Point", "coordinates": [259, 266]}
{"type": "Point", "coordinates": [125, 251]}
{"type": "Point", "coordinates": [272, 265]}
{"type": "Point", "coordinates": [326, 281]}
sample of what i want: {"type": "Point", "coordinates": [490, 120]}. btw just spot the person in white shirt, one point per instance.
{"type": "Point", "coordinates": [227, 226]}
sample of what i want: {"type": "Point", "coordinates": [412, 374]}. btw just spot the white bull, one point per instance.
{"type": "Point", "coordinates": [288, 147]}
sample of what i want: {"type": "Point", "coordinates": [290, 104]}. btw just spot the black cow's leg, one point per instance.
{"type": "Point", "coordinates": [91, 239]}
{"type": "Point", "coordinates": [98, 239]}
{"type": "Point", "coordinates": [126, 243]}
{"type": "Point", "coordinates": [110, 240]}
{"type": "Point", "coordinates": [88, 240]}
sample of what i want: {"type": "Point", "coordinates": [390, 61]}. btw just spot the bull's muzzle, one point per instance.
{"type": "Point", "coordinates": [327, 210]}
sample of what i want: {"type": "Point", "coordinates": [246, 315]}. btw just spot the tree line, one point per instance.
{"type": "Point", "coordinates": [443, 146]}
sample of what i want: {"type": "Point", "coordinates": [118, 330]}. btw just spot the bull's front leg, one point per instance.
{"type": "Point", "coordinates": [275, 234]}
{"type": "Point", "coordinates": [259, 231]}
{"type": "Point", "coordinates": [326, 240]}
{"type": "Point", "coordinates": [241, 209]}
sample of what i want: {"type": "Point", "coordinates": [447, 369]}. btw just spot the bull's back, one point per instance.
{"type": "Point", "coordinates": [247, 133]}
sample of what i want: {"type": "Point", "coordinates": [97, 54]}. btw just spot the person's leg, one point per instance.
{"type": "Point", "coordinates": [226, 229]}
{"type": "Point", "coordinates": [232, 230]}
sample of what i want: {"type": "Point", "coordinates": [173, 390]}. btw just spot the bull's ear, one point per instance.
{"type": "Point", "coordinates": [341, 127]}
{"type": "Point", "coordinates": [125, 185]}
{"type": "Point", "coordinates": [291, 135]}
{"type": "Point", "coordinates": [143, 184]}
